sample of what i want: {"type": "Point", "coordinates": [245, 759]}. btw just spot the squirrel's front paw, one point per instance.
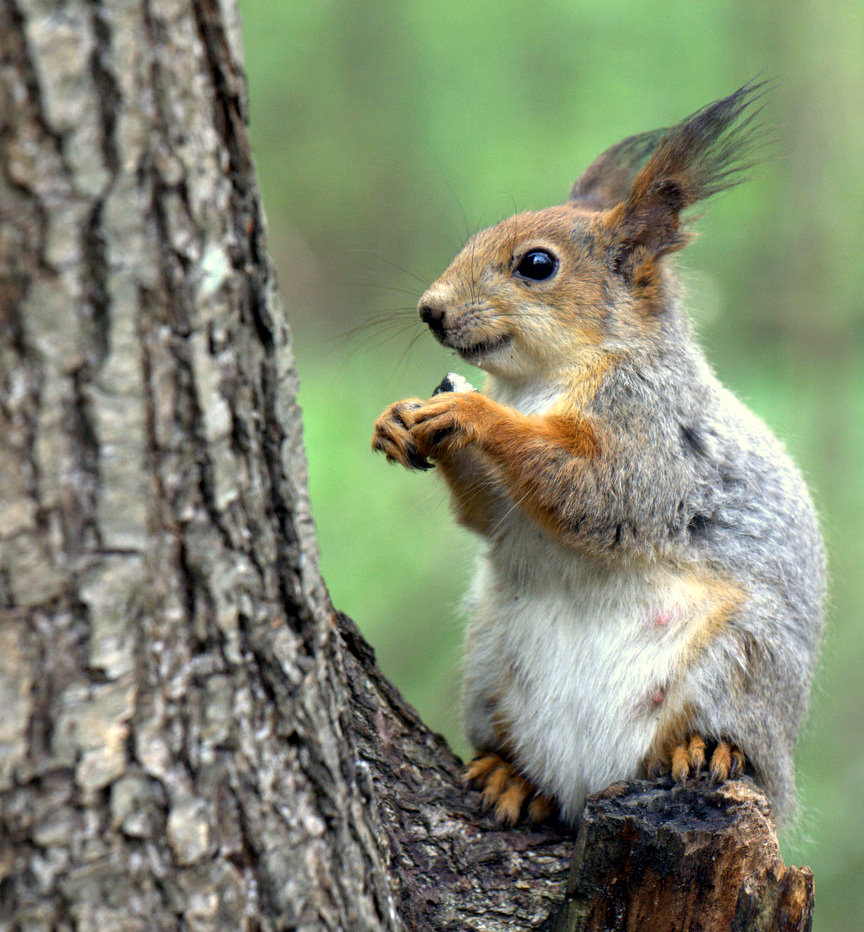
{"type": "Point", "coordinates": [505, 790]}
{"type": "Point", "coordinates": [448, 422]}
{"type": "Point", "coordinates": [392, 437]}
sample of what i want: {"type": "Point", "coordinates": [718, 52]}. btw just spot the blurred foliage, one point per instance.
{"type": "Point", "coordinates": [385, 132]}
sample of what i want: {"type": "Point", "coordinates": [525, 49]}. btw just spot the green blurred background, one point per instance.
{"type": "Point", "coordinates": [386, 132]}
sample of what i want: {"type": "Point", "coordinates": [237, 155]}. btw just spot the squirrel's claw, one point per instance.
{"type": "Point", "coordinates": [688, 759]}
{"type": "Point", "coordinates": [688, 756]}
{"type": "Point", "coordinates": [392, 438]}
{"type": "Point", "coordinates": [726, 762]}
{"type": "Point", "coordinates": [505, 791]}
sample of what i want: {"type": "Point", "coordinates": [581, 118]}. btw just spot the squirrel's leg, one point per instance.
{"type": "Point", "coordinates": [505, 790]}
{"type": "Point", "coordinates": [477, 494]}
{"type": "Point", "coordinates": [533, 457]}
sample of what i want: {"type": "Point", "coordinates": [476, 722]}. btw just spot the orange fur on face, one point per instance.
{"type": "Point", "coordinates": [550, 324]}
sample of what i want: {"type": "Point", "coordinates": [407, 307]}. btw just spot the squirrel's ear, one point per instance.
{"type": "Point", "coordinates": [704, 154]}
{"type": "Point", "coordinates": [607, 180]}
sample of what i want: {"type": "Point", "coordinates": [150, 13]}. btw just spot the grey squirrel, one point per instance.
{"type": "Point", "coordinates": [649, 592]}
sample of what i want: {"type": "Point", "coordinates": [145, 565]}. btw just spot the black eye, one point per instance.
{"type": "Point", "coordinates": [537, 265]}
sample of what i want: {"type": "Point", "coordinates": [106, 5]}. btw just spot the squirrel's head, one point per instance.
{"type": "Point", "coordinates": [538, 291]}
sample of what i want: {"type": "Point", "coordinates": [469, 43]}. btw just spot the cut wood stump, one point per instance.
{"type": "Point", "coordinates": [651, 856]}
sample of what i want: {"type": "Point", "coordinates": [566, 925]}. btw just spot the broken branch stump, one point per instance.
{"type": "Point", "coordinates": [651, 856]}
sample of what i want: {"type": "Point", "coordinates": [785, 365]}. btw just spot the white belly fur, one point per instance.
{"type": "Point", "coordinates": [577, 660]}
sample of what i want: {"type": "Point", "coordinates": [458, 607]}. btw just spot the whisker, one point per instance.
{"type": "Point", "coordinates": [408, 292]}
{"type": "Point", "coordinates": [466, 231]}
{"type": "Point", "coordinates": [402, 362]}
{"type": "Point", "coordinates": [510, 511]}
{"type": "Point", "coordinates": [472, 278]}
{"type": "Point", "coordinates": [375, 332]}
{"type": "Point", "coordinates": [381, 322]}
{"type": "Point", "coordinates": [401, 268]}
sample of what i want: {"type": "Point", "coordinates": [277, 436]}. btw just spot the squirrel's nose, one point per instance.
{"type": "Point", "coordinates": [432, 314]}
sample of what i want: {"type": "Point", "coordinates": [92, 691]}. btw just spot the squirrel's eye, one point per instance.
{"type": "Point", "coordinates": [537, 265]}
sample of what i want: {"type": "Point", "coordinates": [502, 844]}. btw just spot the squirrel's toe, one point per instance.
{"type": "Point", "coordinates": [505, 791]}
{"type": "Point", "coordinates": [688, 759]}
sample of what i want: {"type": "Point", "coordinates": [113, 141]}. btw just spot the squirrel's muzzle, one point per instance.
{"type": "Point", "coordinates": [432, 314]}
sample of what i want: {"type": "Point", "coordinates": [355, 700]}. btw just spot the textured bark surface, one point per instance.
{"type": "Point", "coordinates": [185, 741]}
{"type": "Point", "coordinates": [651, 856]}
{"type": "Point", "coordinates": [190, 737]}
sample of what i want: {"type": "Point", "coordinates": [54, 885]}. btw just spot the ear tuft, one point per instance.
{"type": "Point", "coordinates": [607, 180]}
{"type": "Point", "coordinates": [706, 153]}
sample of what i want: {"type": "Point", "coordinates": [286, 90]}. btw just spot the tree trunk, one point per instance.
{"type": "Point", "coordinates": [191, 738]}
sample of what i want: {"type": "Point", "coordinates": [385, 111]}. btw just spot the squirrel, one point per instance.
{"type": "Point", "coordinates": [649, 593]}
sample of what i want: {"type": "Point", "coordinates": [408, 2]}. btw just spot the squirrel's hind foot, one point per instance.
{"type": "Point", "coordinates": [506, 791]}
{"type": "Point", "coordinates": [687, 758]}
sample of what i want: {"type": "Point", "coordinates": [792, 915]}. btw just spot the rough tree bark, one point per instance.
{"type": "Point", "coordinates": [191, 737]}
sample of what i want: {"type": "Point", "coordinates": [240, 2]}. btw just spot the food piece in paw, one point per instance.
{"type": "Point", "coordinates": [453, 382]}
